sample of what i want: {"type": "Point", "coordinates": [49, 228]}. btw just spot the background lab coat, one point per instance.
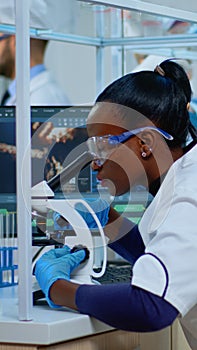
{"type": "Point", "coordinates": [44, 91]}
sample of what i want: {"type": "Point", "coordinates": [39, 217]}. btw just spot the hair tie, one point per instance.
{"type": "Point", "coordinates": [159, 70]}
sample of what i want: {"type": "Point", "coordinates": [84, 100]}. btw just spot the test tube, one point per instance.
{"type": "Point", "coordinates": [1, 250]}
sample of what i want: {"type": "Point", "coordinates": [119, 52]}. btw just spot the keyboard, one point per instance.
{"type": "Point", "coordinates": [116, 272]}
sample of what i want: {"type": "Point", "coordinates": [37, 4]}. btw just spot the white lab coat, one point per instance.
{"type": "Point", "coordinates": [168, 229]}
{"type": "Point", "coordinates": [44, 91]}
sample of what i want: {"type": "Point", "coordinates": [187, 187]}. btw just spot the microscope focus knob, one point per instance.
{"type": "Point", "coordinates": [78, 247]}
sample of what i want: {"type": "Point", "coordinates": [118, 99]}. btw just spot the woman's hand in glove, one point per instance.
{"type": "Point", "coordinates": [56, 264]}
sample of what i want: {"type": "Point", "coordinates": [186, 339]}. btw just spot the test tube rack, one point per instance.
{"type": "Point", "coordinates": [7, 267]}
{"type": "Point", "coordinates": [8, 248]}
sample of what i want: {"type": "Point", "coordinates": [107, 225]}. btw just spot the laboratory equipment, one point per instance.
{"type": "Point", "coordinates": [43, 201]}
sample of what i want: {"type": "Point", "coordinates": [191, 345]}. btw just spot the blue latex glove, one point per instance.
{"type": "Point", "coordinates": [101, 208]}
{"type": "Point", "coordinates": [54, 265]}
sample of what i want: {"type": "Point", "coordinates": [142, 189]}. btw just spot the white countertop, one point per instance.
{"type": "Point", "coordinates": [48, 326]}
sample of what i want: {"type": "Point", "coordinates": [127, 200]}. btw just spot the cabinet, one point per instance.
{"type": "Point", "coordinates": [114, 34]}
{"type": "Point", "coordinates": [115, 340]}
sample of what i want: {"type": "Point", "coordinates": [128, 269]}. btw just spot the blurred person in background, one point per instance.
{"type": "Point", "coordinates": [44, 89]}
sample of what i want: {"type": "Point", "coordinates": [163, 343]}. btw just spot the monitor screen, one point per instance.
{"type": "Point", "coordinates": [58, 135]}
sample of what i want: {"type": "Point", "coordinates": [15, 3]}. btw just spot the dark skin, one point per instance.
{"type": "Point", "coordinates": [8, 53]}
{"type": "Point", "coordinates": [122, 173]}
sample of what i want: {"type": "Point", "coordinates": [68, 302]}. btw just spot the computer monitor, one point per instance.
{"type": "Point", "coordinates": [58, 135]}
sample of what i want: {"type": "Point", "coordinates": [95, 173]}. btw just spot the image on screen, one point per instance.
{"type": "Point", "coordinates": [57, 132]}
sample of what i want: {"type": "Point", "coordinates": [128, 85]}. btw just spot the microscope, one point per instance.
{"type": "Point", "coordinates": [43, 201]}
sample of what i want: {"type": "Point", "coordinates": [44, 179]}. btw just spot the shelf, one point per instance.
{"type": "Point", "coordinates": [172, 41]}
{"type": "Point", "coordinates": [170, 8]}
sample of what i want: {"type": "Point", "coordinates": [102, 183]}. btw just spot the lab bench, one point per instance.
{"type": "Point", "coordinates": [56, 329]}
{"type": "Point", "coordinates": [64, 329]}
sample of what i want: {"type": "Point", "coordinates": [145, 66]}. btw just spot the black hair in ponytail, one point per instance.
{"type": "Point", "coordinates": [162, 96]}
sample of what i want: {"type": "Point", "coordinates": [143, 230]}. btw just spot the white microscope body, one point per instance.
{"type": "Point", "coordinates": [43, 200]}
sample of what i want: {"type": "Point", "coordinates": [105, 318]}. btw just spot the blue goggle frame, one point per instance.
{"type": "Point", "coordinates": [102, 146]}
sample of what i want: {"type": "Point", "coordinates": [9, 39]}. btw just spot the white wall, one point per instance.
{"type": "Point", "coordinates": [74, 67]}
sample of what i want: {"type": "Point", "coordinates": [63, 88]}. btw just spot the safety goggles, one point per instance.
{"type": "Point", "coordinates": [101, 147]}
{"type": "Point", "coordinates": [4, 36]}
